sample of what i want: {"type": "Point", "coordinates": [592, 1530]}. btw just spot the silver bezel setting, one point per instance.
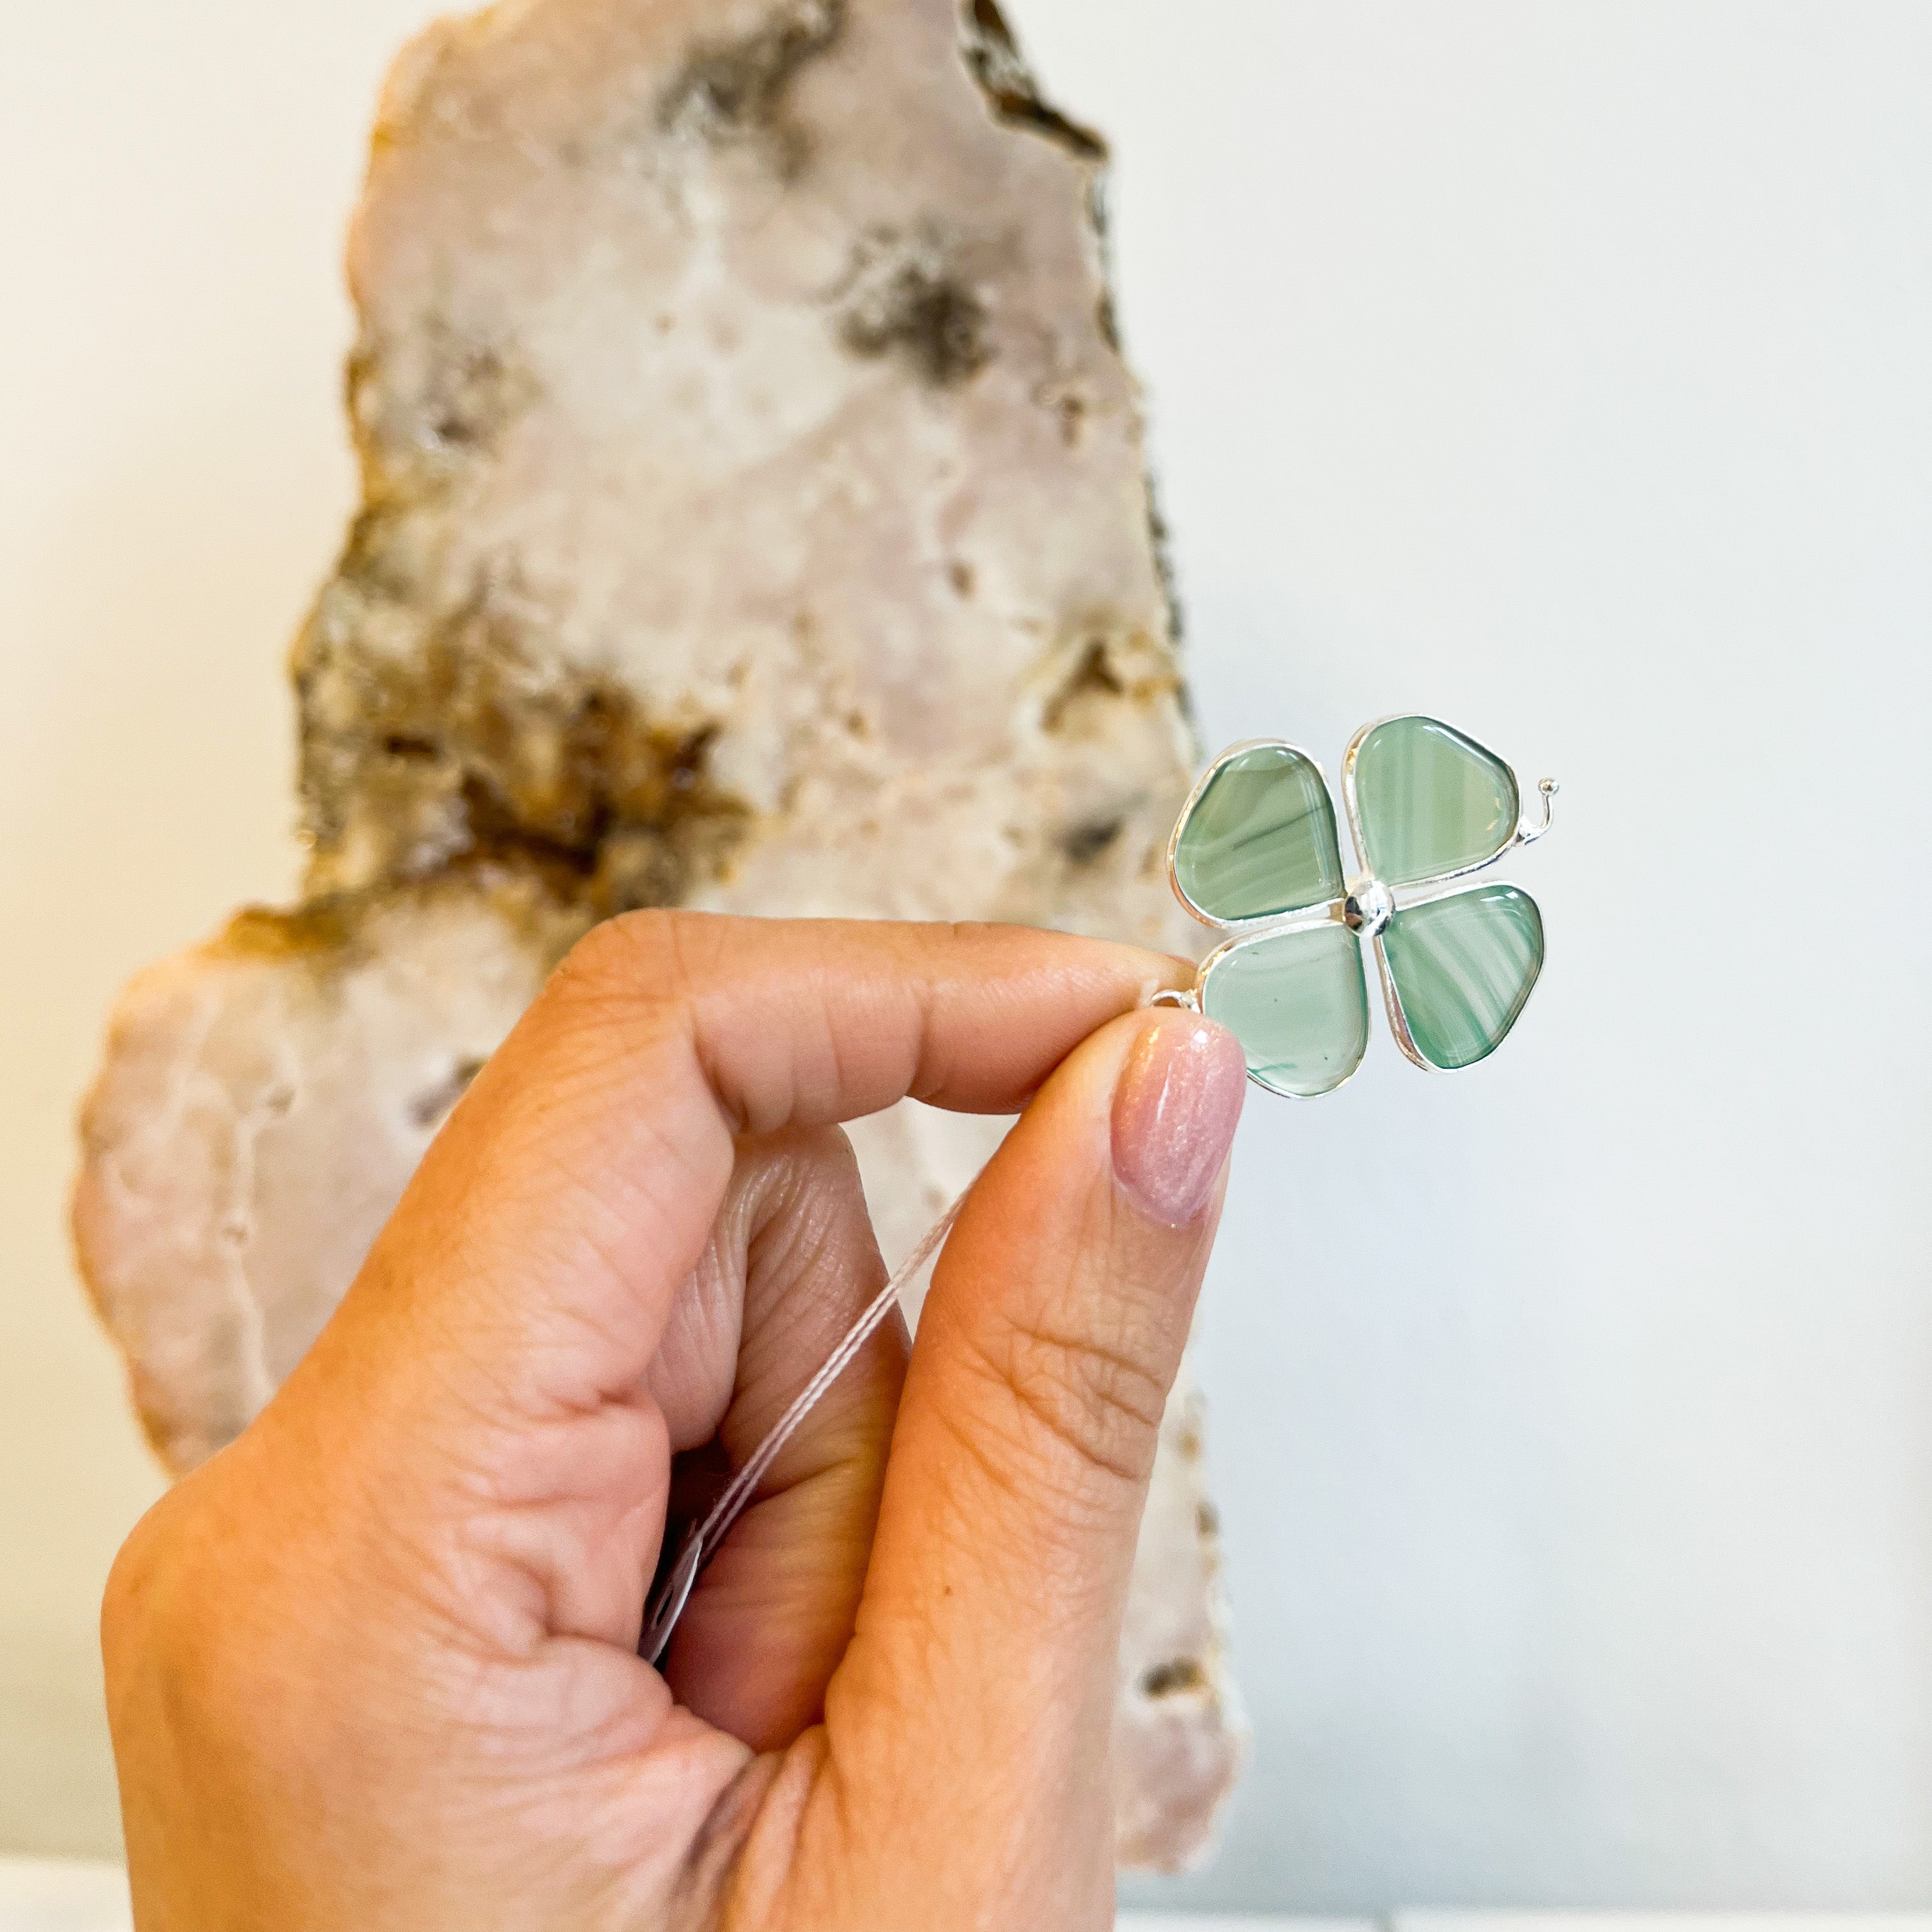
{"type": "Point", "coordinates": [1524, 833]}
{"type": "Point", "coordinates": [1398, 1020]}
{"type": "Point", "coordinates": [1282, 928]}
{"type": "Point", "coordinates": [1393, 899]}
{"type": "Point", "coordinates": [1260, 921]}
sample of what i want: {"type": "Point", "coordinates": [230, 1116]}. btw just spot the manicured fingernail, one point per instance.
{"type": "Point", "coordinates": [1174, 1112]}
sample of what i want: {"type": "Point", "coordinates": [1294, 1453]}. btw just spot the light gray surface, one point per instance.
{"type": "Point", "coordinates": [1562, 368]}
{"type": "Point", "coordinates": [1559, 367]}
{"type": "Point", "coordinates": [48, 1895]}
{"type": "Point", "coordinates": [40, 1895]}
{"type": "Point", "coordinates": [1658, 1921]}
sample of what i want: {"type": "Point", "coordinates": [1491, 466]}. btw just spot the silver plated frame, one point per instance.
{"type": "Point", "coordinates": [1348, 910]}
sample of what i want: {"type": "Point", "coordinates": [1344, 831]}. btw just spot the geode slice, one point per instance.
{"type": "Point", "coordinates": [754, 518]}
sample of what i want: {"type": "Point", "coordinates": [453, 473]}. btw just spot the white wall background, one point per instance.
{"type": "Point", "coordinates": [1563, 366]}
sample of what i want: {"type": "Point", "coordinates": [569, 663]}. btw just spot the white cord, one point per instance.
{"type": "Point", "coordinates": [701, 1543]}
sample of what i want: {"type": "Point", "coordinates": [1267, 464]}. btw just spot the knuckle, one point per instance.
{"type": "Point", "coordinates": [146, 1635]}
{"type": "Point", "coordinates": [135, 1579]}
{"type": "Point", "coordinates": [813, 1170]}
{"type": "Point", "coordinates": [628, 975]}
{"type": "Point", "coordinates": [1092, 1402]}
{"type": "Point", "coordinates": [122, 1603]}
{"type": "Point", "coordinates": [626, 958]}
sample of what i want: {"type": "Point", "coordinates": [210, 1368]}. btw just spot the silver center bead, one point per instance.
{"type": "Point", "coordinates": [1369, 908]}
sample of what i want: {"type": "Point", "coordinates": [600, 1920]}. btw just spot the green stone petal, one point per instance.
{"type": "Point", "coordinates": [1261, 838]}
{"type": "Point", "coordinates": [1463, 967]}
{"type": "Point", "coordinates": [1298, 1002]}
{"type": "Point", "coordinates": [1430, 801]}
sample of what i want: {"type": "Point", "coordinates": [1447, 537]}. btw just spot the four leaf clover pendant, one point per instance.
{"type": "Point", "coordinates": [1255, 855]}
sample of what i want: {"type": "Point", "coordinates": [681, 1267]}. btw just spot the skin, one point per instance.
{"type": "Point", "coordinates": [374, 1666]}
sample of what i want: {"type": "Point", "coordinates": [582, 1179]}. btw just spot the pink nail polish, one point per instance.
{"type": "Point", "coordinates": [1174, 1112]}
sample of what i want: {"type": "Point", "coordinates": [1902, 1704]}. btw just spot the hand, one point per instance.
{"type": "Point", "coordinates": [373, 1668]}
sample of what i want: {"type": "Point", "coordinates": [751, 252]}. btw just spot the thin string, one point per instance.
{"type": "Point", "coordinates": [701, 1543]}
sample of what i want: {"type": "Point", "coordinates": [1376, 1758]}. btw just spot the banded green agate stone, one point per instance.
{"type": "Point", "coordinates": [1261, 838]}
{"type": "Point", "coordinates": [1463, 967]}
{"type": "Point", "coordinates": [1299, 1004]}
{"type": "Point", "coordinates": [1430, 801]}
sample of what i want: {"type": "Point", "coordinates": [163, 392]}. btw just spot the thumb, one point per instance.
{"type": "Point", "coordinates": [981, 1681]}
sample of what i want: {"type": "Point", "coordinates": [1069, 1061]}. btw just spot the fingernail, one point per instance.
{"type": "Point", "coordinates": [1174, 1112]}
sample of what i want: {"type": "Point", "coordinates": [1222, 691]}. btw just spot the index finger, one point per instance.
{"type": "Point", "coordinates": [571, 1194]}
